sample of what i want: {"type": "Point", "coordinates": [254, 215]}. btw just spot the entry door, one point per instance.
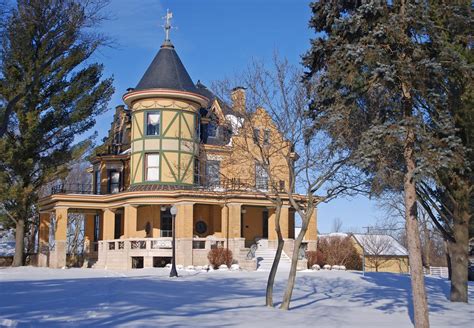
{"type": "Point", "coordinates": [166, 224]}
{"type": "Point", "coordinates": [265, 224]}
{"type": "Point", "coordinates": [118, 226]}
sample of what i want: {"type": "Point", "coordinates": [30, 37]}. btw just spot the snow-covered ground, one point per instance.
{"type": "Point", "coordinates": [148, 297]}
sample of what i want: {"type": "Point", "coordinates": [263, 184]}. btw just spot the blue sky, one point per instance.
{"type": "Point", "coordinates": [214, 39]}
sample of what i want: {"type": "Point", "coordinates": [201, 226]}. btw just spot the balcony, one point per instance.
{"type": "Point", "coordinates": [260, 185]}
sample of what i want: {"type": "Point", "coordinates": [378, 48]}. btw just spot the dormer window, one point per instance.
{"type": "Point", "coordinates": [266, 137]}
{"type": "Point", "coordinates": [256, 135]}
{"type": "Point", "coordinates": [212, 130]}
{"type": "Point", "coordinates": [153, 123]}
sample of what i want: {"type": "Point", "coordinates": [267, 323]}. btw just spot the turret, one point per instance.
{"type": "Point", "coordinates": [165, 121]}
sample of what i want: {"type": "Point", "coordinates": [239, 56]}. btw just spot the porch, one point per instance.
{"type": "Point", "coordinates": [139, 234]}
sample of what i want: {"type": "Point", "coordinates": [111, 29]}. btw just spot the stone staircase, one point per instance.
{"type": "Point", "coordinates": [266, 255]}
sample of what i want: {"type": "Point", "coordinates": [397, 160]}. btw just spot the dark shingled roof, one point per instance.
{"type": "Point", "coordinates": [166, 71]}
{"type": "Point", "coordinates": [203, 90]}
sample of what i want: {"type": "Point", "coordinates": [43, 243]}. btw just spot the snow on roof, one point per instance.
{"type": "Point", "coordinates": [375, 244]}
{"type": "Point", "coordinates": [334, 234]}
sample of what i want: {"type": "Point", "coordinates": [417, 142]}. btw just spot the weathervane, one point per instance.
{"type": "Point", "coordinates": [167, 26]}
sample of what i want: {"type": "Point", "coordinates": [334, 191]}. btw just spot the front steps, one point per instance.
{"type": "Point", "coordinates": [265, 257]}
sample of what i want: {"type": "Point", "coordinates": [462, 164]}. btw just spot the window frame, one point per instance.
{"type": "Point", "coordinates": [118, 183]}
{"type": "Point", "coordinates": [266, 137]}
{"type": "Point", "coordinates": [197, 171]}
{"type": "Point", "coordinates": [155, 167]}
{"type": "Point", "coordinates": [97, 180]}
{"type": "Point", "coordinates": [259, 179]}
{"type": "Point", "coordinates": [216, 130]}
{"type": "Point", "coordinates": [256, 135]}
{"type": "Point", "coordinates": [147, 125]}
{"type": "Point", "coordinates": [217, 178]}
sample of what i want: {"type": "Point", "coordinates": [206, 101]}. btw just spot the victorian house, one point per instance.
{"type": "Point", "coordinates": [174, 143]}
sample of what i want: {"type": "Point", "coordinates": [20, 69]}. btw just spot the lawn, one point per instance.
{"type": "Point", "coordinates": [148, 297]}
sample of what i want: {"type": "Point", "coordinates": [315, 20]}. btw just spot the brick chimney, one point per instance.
{"type": "Point", "coordinates": [238, 99]}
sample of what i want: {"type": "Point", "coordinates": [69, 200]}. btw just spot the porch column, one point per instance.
{"type": "Point", "coordinates": [109, 224]}
{"type": "Point", "coordinates": [130, 223]}
{"type": "Point", "coordinates": [235, 212]}
{"type": "Point", "coordinates": [232, 230]}
{"type": "Point", "coordinates": [184, 233]}
{"type": "Point", "coordinates": [58, 254]}
{"type": "Point", "coordinates": [224, 221]}
{"type": "Point", "coordinates": [285, 221]}
{"type": "Point", "coordinates": [272, 235]}
{"type": "Point", "coordinates": [312, 232]}
{"type": "Point", "coordinates": [43, 251]}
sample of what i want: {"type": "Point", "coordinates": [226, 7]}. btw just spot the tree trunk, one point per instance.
{"type": "Point", "coordinates": [459, 256]}
{"type": "Point", "coordinates": [18, 258]}
{"type": "Point", "coordinates": [276, 261]}
{"type": "Point", "coordinates": [427, 244]}
{"type": "Point", "coordinates": [448, 258]}
{"type": "Point", "coordinates": [420, 306]}
{"type": "Point", "coordinates": [285, 305]}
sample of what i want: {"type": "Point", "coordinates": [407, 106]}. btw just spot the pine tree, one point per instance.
{"type": "Point", "coordinates": [448, 194]}
{"type": "Point", "coordinates": [379, 94]}
{"type": "Point", "coordinates": [50, 94]}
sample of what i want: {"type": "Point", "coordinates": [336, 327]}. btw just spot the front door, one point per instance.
{"type": "Point", "coordinates": [118, 226]}
{"type": "Point", "coordinates": [166, 224]}
{"type": "Point", "coordinates": [265, 224]}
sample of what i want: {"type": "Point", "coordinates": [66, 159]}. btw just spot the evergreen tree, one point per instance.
{"type": "Point", "coordinates": [380, 94]}
{"type": "Point", "coordinates": [448, 194]}
{"type": "Point", "coordinates": [50, 93]}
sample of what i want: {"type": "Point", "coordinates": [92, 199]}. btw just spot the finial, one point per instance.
{"type": "Point", "coordinates": [167, 26]}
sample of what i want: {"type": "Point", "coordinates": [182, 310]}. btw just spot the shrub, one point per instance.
{"type": "Point", "coordinates": [219, 256]}
{"type": "Point", "coordinates": [337, 250]}
{"type": "Point", "coordinates": [315, 257]}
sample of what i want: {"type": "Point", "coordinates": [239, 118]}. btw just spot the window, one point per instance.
{"type": "Point", "coordinates": [114, 182]}
{"type": "Point", "coordinates": [261, 177]}
{"type": "Point", "coordinates": [213, 173]}
{"type": "Point", "coordinates": [197, 176]}
{"type": "Point", "coordinates": [118, 137]}
{"type": "Point", "coordinates": [152, 168]}
{"type": "Point", "coordinates": [97, 182]}
{"type": "Point", "coordinates": [266, 137]}
{"type": "Point", "coordinates": [212, 130]}
{"type": "Point", "coordinates": [153, 124]}
{"type": "Point", "coordinates": [256, 135]}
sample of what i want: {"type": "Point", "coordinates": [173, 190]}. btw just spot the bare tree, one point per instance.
{"type": "Point", "coordinates": [316, 171]}
{"type": "Point", "coordinates": [257, 137]}
{"type": "Point", "coordinates": [336, 225]}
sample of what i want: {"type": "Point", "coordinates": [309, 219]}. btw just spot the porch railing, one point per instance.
{"type": "Point", "coordinates": [260, 185]}
{"type": "Point", "coordinates": [135, 244]}
{"type": "Point", "coordinates": [153, 244]}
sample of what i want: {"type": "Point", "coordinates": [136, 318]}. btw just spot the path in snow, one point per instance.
{"type": "Point", "coordinates": [87, 297]}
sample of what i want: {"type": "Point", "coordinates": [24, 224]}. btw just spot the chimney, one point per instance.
{"type": "Point", "coordinates": [238, 99]}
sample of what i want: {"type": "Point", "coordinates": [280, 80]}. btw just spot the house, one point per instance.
{"type": "Point", "coordinates": [381, 253]}
{"type": "Point", "coordinates": [174, 144]}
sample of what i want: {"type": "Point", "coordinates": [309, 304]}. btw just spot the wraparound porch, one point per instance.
{"type": "Point", "coordinates": [117, 236]}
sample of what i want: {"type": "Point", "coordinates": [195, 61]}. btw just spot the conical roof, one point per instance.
{"type": "Point", "coordinates": [166, 71]}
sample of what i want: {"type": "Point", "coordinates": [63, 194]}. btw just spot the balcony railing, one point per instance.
{"type": "Point", "coordinates": [260, 185]}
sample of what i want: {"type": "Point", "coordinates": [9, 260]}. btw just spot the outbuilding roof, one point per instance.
{"type": "Point", "coordinates": [380, 245]}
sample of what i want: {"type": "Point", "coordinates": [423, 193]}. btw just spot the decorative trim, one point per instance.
{"type": "Point", "coordinates": [130, 97]}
